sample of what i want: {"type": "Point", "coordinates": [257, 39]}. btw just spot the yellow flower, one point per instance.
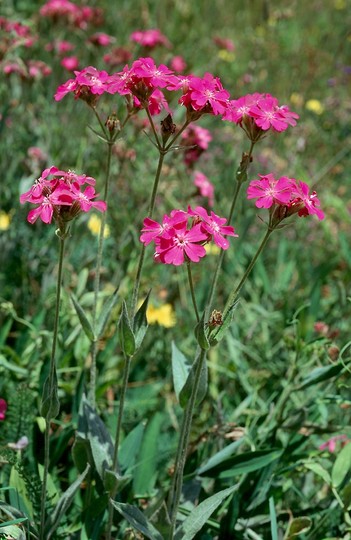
{"type": "Point", "coordinates": [314, 105]}
{"type": "Point", "coordinates": [340, 4]}
{"type": "Point", "coordinates": [163, 315]}
{"type": "Point", "coordinates": [296, 99]}
{"type": "Point", "coordinates": [225, 55]}
{"type": "Point", "coordinates": [94, 225]}
{"type": "Point", "coordinates": [5, 221]}
{"type": "Point", "coordinates": [212, 249]}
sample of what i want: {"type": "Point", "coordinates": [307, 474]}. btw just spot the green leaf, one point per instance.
{"type": "Point", "coordinates": [220, 456]}
{"type": "Point", "coordinates": [201, 333]}
{"type": "Point", "coordinates": [130, 447]}
{"type": "Point", "coordinates": [13, 532]}
{"type": "Point", "coordinates": [84, 321]}
{"type": "Point", "coordinates": [126, 333]}
{"type": "Point", "coordinates": [321, 374]}
{"type": "Point", "coordinates": [218, 334]}
{"type": "Point", "coordinates": [318, 469]}
{"type": "Point", "coordinates": [140, 324]}
{"type": "Point", "coordinates": [50, 404]}
{"type": "Point", "coordinates": [243, 463]}
{"type": "Point", "coordinates": [198, 517]}
{"type": "Point", "coordinates": [180, 369]}
{"type": "Point", "coordinates": [10, 366]}
{"type": "Point", "coordinates": [298, 526]}
{"type": "Point", "coordinates": [202, 387]}
{"type": "Point", "coordinates": [19, 495]}
{"type": "Point", "coordinates": [137, 520]}
{"type": "Point", "coordinates": [145, 472]}
{"type": "Point", "coordinates": [273, 516]}
{"type": "Point", "coordinates": [63, 504]}
{"type": "Point", "coordinates": [105, 314]}
{"type": "Point", "coordinates": [342, 466]}
{"type": "Point", "coordinates": [92, 429]}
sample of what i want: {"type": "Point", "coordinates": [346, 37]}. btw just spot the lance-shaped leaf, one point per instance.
{"type": "Point", "coordinates": [137, 520]}
{"type": "Point", "coordinates": [50, 405]}
{"type": "Point", "coordinates": [342, 466]}
{"type": "Point", "coordinates": [84, 321]}
{"type": "Point", "coordinates": [243, 463]}
{"type": "Point", "coordinates": [92, 429]}
{"type": "Point", "coordinates": [126, 334]}
{"type": "Point", "coordinates": [198, 517]}
{"type": "Point", "coordinates": [219, 332]}
{"type": "Point", "coordinates": [201, 333]}
{"type": "Point", "coordinates": [140, 324]}
{"type": "Point", "coordinates": [321, 374]}
{"type": "Point", "coordinates": [180, 369]}
{"type": "Point", "coordinates": [200, 363]}
{"type": "Point", "coordinates": [106, 313]}
{"type": "Point", "coordinates": [63, 504]}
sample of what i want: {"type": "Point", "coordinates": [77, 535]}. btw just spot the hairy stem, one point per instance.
{"type": "Point", "coordinates": [192, 290]}
{"type": "Point", "coordinates": [52, 383]}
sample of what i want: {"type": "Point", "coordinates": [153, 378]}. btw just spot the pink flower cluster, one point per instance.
{"type": "Point", "coordinates": [14, 34]}
{"type": "Point", "coordinates": [205, 187]}
{"type": "Point", "coordinates": [257, 113]}
{"type": "Point", "coordinates": [79, 16]}
{"type": "Point", "coordinates": [149, 38]}
{"type": "Point", "coordinates": [182, 235]}
{"type": "Point", "coordinates": [197, 139]}
{"type": "Point", "coordinates": [33, 69]}
{"type": "Point", "coordinates": [59, 195]}
{"type": "Point", "coordinates": [291, 195]}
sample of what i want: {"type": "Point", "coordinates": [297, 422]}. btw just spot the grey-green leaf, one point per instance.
{"type": "Point", "coordinates": [318, 469]}
{"type": "Point", "coordinates": [321, 374]}
{"type": "Point", "coordinates": [198, 517]}
{"type": "Point", "coordinates": [84, 321]}
{"type": "Point", "coordinates": [219, 332]}
{"type": "Point", "coordinates": [180, 369]}
{"type": "Point", "coordinates": [63, 504]}
{"type": "Point", "coordinates": [50, 404]}
{"type": "Point", "coordinates": [243, 463]}
{"type": "Point", "coordinates": [342, 466]}
{"type": "Point", "coordinates": [106, 313]}
{"type": "Point", "coordinates": [126, 334]}
{"type": "Point", "coordinates": [140, 324]}
{"type": "Point", "coordinates": [137, 520]}
{"type": "Point", "coordinates": [201, 333]}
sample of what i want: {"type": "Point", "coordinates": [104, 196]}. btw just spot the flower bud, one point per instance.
{"type": "Point", "coordinates": [167, 128]}
{"type": "Point", "coordinates": [112, 123]}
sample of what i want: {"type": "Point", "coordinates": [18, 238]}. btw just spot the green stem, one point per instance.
{"type": "Point", "coordinates": [52, 383]}
{"type": "Point", "coordinates": [241, 176]}
{"type": "Point", "coordinates": [192, 290]}
{"type": "Point", "coordinates": [235, 293]}
{"type": "Point", "coordinates": [159, 146]}
{"type": "Point", "coordinates": [150, 213]}
{"type": "Point", "coordinates": [103, 128]}
{"type": "Point", "coordinates": [172, 141]}
{"type": "Point", "coordinates": [126, 370]}
{"type": "Point", "coordinates": [183, 445]}
{"type": "Point", "coordinates": [94, 347]}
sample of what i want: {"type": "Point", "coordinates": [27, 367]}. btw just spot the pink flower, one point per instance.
{"type": "Point", "coordinates": [197, 139]}
{"type": "Point", "coordinates": [206, 189]}
{"type": "Point", "coordinates": [224, 43]}
{"type": "Point", "coordinates": [150, 38]}
{"type": "Point", "coordinates": [214, 226]}
{"type": "Point", "coordinates": [117, 56]}
{"type": "Point", "coordinates": [205, 95]}
{"type": "Point", "coordinates": [89, 84]}
{"type": "Point", "coordinates": [182, 243]}
{"type": "Point", "coordinates": [330, 444]}
{"type": "Point", "coordinates": [307, 203]}
{"type": "Point", "coordinates": [268, 190]}
{"type": "Point", "coordinates": [99, 38]}
{"type": "Point", "coordinates": [178, 64]}
{"type": "Point", "coordinates": [176, 240]}
{"type": "Point", "coordinates": [3, 409]}
{"type": "Point", "coordinates": [70, 63]}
